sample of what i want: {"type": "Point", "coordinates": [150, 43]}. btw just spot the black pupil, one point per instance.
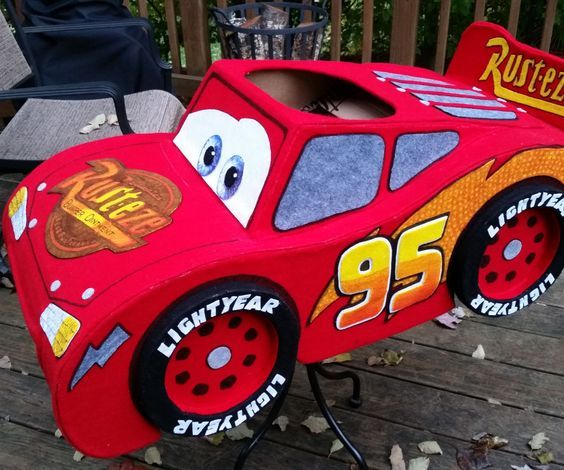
{"type": "Point", "coordinates": [209, 155]}
{"type": "Point", "coordinates": [231, 177]}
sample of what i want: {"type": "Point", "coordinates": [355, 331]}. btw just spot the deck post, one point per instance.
{"type": "Point", "coordinates": [404, 31]}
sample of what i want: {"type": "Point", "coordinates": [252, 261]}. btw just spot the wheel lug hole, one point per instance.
{"type": "Point", "coordinates": [510, 276]}
{"type": "Point", "coordinates": [182, 354]}
{"type": "Point", "coordinates": [200, 389]}
{"type": "Point", "coordinates": [205, 329]}
{"type": "Point", "coordinates": [484, 261]}
{"type": "Point", "coordinates": [491, 277]}
{"type": "Point", "coordinates": [251, 334]}
{"type": "Point", "coordinates": [539, 237]}
{"type": "Point", "coordinates": [234, 322]}
{"type": "Point", "coordinates": [182, 378]}
{"type": "Point", "coordinates": [228, 382]}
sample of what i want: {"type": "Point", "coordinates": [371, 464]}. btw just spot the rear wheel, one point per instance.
{"type": "Point", "coordinates": [215, 359]}
{"type": "Point", "coordinates": [512, 251]}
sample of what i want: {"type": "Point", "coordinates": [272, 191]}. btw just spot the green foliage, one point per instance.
{"type": "Point", "coordinates": [531, 22]}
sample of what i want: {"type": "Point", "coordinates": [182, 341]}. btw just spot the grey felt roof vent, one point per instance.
{"type": "Point", "coordinates": [318, 93]}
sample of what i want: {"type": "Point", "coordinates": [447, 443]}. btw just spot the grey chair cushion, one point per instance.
{"type": "Point", "coordinates": [13, 66]}
{"type": "Point", "coordinates": [42, 128]}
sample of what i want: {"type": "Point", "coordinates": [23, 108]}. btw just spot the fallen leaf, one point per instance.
{"type": "Point", "coordinates": [493, 401]}
{"type": "Point", "coordinates": [485, 439]}
{"type": "Point", "coordinates": [113, 120]}
{"type": "Point", "coordinates": [479, 353]}
{"type": "Point", "coordinates": [345, 357]}
{"type": "Point", "coordinates": [98, 120]}
{"type": "Point", "coordinates": [58, 433]}
{"type": "Point", "coordinates": [78, 456]}
{"type": "Point", "coordinates": [420, 463]}
{"type": "Point", "coordinates": [330, 402]}
{"type": "Point", "coordinates": [544, 456]}
{"type": "Point", "coordinates": [215, 439]}
{"type": "Point", "coordinates": [430, 448]}
{"type": "Point", "coordinates": [475, 458]}
{"type": "Point", "coordinates": [282, 422]}
{"type": "Point", "coordinates": [396, 458]}
{"type": "Point", "coordinates": [336, 445]}
{"type": "Point", "coordinates": [386, 358]}
{"type": "Point", "coordinates": [524, 467]}
{"type": "Point", "coordinates": [240, 432]}
{"type": "Point", "coordinates": [449, 320]}
{"type": "Point", "coordinates": [88, 129]}
{"type": "Point", "coordinates": [538, 440]}
{"type": "Point", "coordinates": [24, 372]}
{"type": "Point", "coordinates": [5, 362]}
{"type": "Point", "coordinates": [153, 456]}
{"type": "Point", "coordinates": [315, 424]}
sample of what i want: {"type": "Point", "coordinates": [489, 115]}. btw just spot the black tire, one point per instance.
{"type": "Point", "coordinates": [200, 415]}
{"type": "Point", "coordinates": [495, 282]}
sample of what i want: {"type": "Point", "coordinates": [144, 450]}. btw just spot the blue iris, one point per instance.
{"type": "Point", "coordinates": [209, 155]}
{"type": "Point", "coordinates": [230, 177]}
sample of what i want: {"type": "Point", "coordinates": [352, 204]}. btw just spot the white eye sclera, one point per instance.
{"type": "Point", "coordinates": [230, 177]}
{"type": "Point", "coordinates": [209, 155]}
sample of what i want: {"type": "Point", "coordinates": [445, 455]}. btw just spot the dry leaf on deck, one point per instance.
{"type": "Point", "coordinates": [538, 440]}
{"type": "Point", "coordinates": [524, 467]}
{"type": "Point", "coordinates": [479, 353]}
{"type": "Point", "coordinates": [396, 458]}
{"type": "Point", "coordinates": [451, 319]}
{"type": "Point", "coordinates": [345, 357]}
{"type": "Point", "coordinates": [88, 129]}
{"type": "Point", "coordinates": [336, 445]}
{"type": "Point", "coordinates": [315, 424]}
{"type": "Point", "coordinates": [485, 439]}
{"type": "Point", "coordinates": [544, 456]}
{"type": "Point", "coordinates": [493, 401]}
{"type": "Point", "coordinates": [215, 439]}
{"type": "Point", "coordinates": [58, 433]}
{"type": "Point", "coordinates": [153, 456]}
{"type": "Point", "coordinates": [126, 465]}
{"type": "Point", "coordinates": [113, 120]}
{"type": "Point", "coordinates": [420, 463]}
{"type": "Point", "coordinates": [240, 432]}
{"type": "Point", "coordinates": [330, 402]}
{"type": "Point", "coordinates": [282, 422]}
{"type": "Point", "coordinates": [386, 358]}
{"type": "Point", "coordinates": [430, 448]}
{"type": "Point", "coordinates": [473, 459]}
{"type": "Point", "coordinates": [78, 456]}
{"type": "Point", "coordinates": [5, 362]}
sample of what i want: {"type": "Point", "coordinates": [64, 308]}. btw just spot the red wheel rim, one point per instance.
{"type": "Point", "coordinates": [519, 254]}
{"type": "Point", "coordinates": [221, 363]}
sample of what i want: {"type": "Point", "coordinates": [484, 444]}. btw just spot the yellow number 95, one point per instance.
{"type": "Point", "coordinates": [365, 269]}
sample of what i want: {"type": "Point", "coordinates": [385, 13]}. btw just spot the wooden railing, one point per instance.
{"type": "Point", "coordinates": [190, 49]}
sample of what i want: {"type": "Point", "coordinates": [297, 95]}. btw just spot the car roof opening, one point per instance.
{"type": "Point", "coordinates": [318, 93]}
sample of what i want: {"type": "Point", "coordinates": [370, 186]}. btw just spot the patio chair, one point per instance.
{"type": "Point", "coordinates": [88, 40]}
{"type": "Point", "coordinates": [43, 126]}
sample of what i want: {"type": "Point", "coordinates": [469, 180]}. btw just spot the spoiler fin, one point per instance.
{"type": "Point", "coordinates": [490, 58]}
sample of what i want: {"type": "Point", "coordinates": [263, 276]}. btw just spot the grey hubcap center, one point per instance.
{"type": "Point", "coordinates": [512, 249]}
{"type": "Point", "coordinates": [219, 357]}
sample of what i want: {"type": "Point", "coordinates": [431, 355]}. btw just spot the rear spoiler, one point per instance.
{"type": "Point", "coordinates": [489, 58]}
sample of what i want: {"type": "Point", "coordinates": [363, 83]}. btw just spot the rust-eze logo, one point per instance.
{"type": "Point", "coordinates": [108, 206]}
{"type": "Point", "coordinates": [525, 79]}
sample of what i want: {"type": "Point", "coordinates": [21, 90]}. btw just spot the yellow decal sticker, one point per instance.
{"type": "Point", "coordinates": [366, 268]}
{"type": "Point", "coordinates": [59, 327]}
{"type": "Point", "coordinates": [523, 79]}
{"type": "Point", "coordinates": [108, 206]}
{"type": "Point", "coordinates": [17, 212]}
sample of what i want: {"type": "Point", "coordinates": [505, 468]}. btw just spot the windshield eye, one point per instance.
{"type": "Point", "coordinates": [230, 177]}
{"type": "Point", "coordinates": [209, 155]}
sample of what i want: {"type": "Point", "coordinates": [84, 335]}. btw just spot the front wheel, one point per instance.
{"type": "Point", "coordinates": [215, 359]}
{"type": "Point", "coordinates": [512, 251]}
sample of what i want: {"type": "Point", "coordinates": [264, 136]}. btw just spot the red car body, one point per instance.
{"type": "Point", "coordinates": [191, 239]}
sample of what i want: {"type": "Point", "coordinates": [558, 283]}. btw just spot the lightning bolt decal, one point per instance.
{"type": "Point", "coordinates": [100, 355]}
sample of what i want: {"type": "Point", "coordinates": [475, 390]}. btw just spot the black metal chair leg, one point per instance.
{"type": "Point", "coordinates": [312, 371]}
{"type": "Point", "coordinates": [355, 400]}
{"type": "Point", "coordinates": [261, 430]}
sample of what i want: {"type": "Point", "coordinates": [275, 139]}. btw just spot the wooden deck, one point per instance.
{"type": "Point", "coordinates": [439, 392]}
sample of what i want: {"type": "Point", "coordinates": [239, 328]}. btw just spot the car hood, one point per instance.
{"type": "Point", "coordinates": [100, 212]}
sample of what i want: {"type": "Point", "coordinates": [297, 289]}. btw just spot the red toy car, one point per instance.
{"type": "Point", "coordinates": [301, 210]}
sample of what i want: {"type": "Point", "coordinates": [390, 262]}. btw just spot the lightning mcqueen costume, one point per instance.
{"type": "Point", "coordinates": [171, 281]}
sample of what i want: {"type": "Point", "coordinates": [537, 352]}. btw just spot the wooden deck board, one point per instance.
{"type": "Point", "coordinates": [439, 392]}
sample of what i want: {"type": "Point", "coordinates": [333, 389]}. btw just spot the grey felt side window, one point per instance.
{"type": "Point", "coordinates": [415, 152]}
{"type": "Point", "coordinates": [334, 174]}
